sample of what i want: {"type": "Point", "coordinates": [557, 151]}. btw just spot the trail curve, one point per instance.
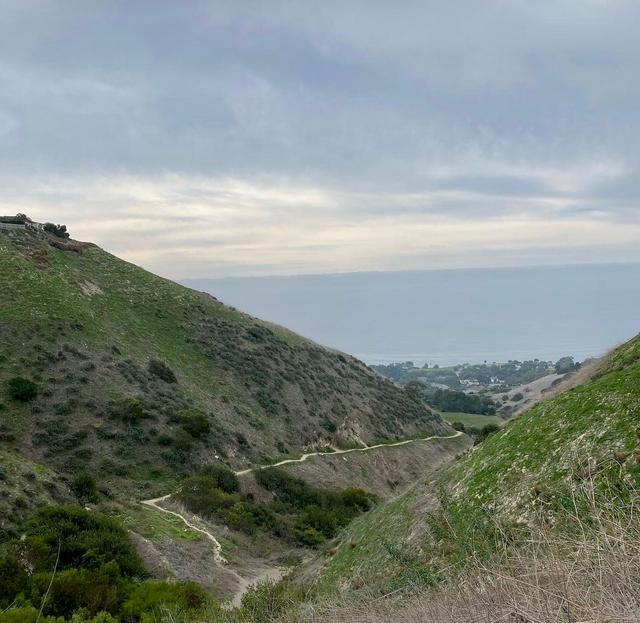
{"type": "Point", "coordinates": [304, 457]}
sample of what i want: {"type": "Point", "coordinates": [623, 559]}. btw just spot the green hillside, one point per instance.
{"type": "Point", "coordinates": [553, 466]}
{"type": "Point", "coordinates": [589, 431]}
{"type": "Point", "coordinates": [138, 381]}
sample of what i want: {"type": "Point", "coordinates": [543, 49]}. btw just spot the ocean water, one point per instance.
{"type": "Point", "coordinates": [450, 316]}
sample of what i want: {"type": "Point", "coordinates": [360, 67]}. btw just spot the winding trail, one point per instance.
{"type": "Point", "coordinates": [304, 457]}
{"type": "Point", "coordinates": [154, 503]}
{"type": "Point", "coordinates": [245, 584]}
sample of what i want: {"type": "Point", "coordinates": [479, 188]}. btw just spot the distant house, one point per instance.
{"type": "Point", "coordinates": [5, 225]}
{"type": "Point", "coordinates": [18, 221]}
{"type": "Point", "coordinates": [13, 222]}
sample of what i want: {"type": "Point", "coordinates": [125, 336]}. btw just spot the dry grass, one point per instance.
{"type": "Point", "coordinates": [592, 576]}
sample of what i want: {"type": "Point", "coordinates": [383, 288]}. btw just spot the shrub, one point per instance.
{"type": "Point", "coordinates": [195, 423]}
{"type": "Point", "coordinates": [356, 499]}
{"type": "Point", "coordinates": [225, 479]}
{"type": "Point", "coordinates": [155, 597]}
{"type": "Point", "coordinates": [22, 389]}
{"type": "Point", "coordinates": [201, 495]}
{"type": "Point", "coordinates": [182, 440]}
{"type": "Point", "coordinates": [13, 579]}
{"type": "Point", "coordinates": [486, 431]}
{"type": "Point", "coordinates": [101, 590]}
{"type": "Point", "coordinates": [242, 440]}
{"type": "Point", "coordinates": [566, 364]}
{"type": "Point", "coordinates": [162, 371]}
{"type": "Point", "coordinates": [84, 487]}
{"type": "Point", "coordinates": [129, 410]}
{"type": "Point", "coordinates": [329, 426]}
{"type": "Point", "coordinates": [57, 230]}
{"type": "Point", "coordinates": [87, 540]}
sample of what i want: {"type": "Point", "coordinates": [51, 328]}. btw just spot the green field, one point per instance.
{"type": "Point", "coordinates": [472, 419]}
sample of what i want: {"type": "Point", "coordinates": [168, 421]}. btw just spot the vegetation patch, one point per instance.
{"type": "Point", "coordinates": [298, 513]}
{"type": "Point", "coordinates": [75, 563]}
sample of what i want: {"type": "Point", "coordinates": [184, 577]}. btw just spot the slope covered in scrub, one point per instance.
{"type": "Point", "coordinates": [138, 381]}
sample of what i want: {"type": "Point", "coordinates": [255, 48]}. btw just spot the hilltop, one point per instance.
{"type": "Point", "coordinates": [138, 382]}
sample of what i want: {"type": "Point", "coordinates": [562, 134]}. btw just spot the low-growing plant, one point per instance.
{"type": "Point", "coordinates": [162, 371]}
{"type": "Point", "coordinates": [84, 487]}
{"type": "Point", "coordinates": [195, 423]}
{"type": "Point", "coordinates": [129, 410]}
{"type": "Point", "coordinates": [22, 389]}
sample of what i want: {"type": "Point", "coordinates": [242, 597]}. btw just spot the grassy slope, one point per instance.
{"type": "Point", "coordinates": [84, 327]}
{"type": "Point", "coordinates": [533, 464]}
{"type": "Point", "coordinates": [552, 443]}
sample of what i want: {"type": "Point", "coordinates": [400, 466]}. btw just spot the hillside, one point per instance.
{"type": "Point", "coordinates": [139, 381]}
{"type": "Point", "coordinates": [557, 467]}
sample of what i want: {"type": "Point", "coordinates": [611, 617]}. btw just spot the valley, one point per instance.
{"type": "Point", "coordinates": [244, 472]}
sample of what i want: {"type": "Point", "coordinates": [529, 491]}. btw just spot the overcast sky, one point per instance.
{"type": "Point", "coordinates": [245, 138]}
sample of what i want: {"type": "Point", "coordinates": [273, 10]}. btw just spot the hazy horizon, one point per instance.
{"type": "Point", "coordinates": [449, 316]}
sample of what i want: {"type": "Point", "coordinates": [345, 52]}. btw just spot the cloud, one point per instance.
{"type": "Point", "coordinates": [184, 226]}
{"type": "Point", "coordinates": [293, 136]}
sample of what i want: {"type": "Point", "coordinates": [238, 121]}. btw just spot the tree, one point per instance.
{"type": "Point", "coordinates": [565, 365]}
{"type": "Point", "coordinates": [57, 230]}
{"type": "Point", "coordinates": [486, 431]}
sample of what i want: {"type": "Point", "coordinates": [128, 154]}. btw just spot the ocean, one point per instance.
{"type": "Point", "coordinates": [446, 317]}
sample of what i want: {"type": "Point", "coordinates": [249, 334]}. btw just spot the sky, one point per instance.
{"type": "Point", "coordinates": [223, 138]}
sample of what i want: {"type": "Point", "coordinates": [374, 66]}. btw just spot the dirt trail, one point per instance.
{"type": "Point", "coordinates": [154, 503]}
{"type": "Point", "coordinates": [273, 573]}
{"type": "Point", "coordinates": [304, 457]}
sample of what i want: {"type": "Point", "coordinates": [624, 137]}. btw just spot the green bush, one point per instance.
{"type": "Point", "coordinates": [96, 568]}
{"type": "Point", "coordinates": [97, 577]}
{"type": "Point", "coordinates": [201, 495]}
{"type": "Point", "coordinates": [182, 440]}
{"type": "Point", "coordinates": [162, 370]}
{"type": "Point", "coordinates": [13, 579]}
{"type": "Point", "coordinates": [87, 540]}
{"type": "Point", "coordinates": [153, 597]}
{"type": "Point", "coordinates": [268, 601]}
{"type": "Point", "coordinates": [195, 423]}
{"type": "Point", "coordinates": [486, 431]}
{"type": "Point", "coordinates": [101, 590]}
{"type": "Point", "coordinates": [22, 389]}
{"type": "Point", "coordinates": [26, 614]}
{"type": "Point", "coordinates": [225, 479]}
{"type": "Point", "coordinates": [128, 409]}
{"type": "Point", "coordinates": [57, 230]}
{"type": "Point", "coordinates": [84, 487]}
{"type": "Point", "coordinates": [457, 401]}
